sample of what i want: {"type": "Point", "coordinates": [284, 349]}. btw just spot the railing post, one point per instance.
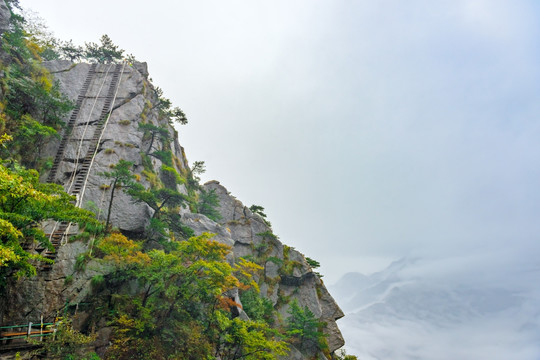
{"type": "Point", "coordinates": [29, 329]}
{"type": "Point", "coordinates": [41, 329]}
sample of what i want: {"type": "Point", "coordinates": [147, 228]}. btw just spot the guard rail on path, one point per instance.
{"type": "Point", "coordinates": [17, 337]}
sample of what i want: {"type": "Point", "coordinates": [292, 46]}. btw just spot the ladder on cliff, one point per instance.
{"type": "Point", "coordinates": [81, 177]}
{"type": "Point", "coordinates": [71, 123]}
{"type": "Point", "coordinates": [61, 229]}
{"type": "Point", "coordinates": [56, 238]}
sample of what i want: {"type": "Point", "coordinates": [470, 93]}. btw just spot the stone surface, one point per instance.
{"type": "Point", "coordinates": [271, 270]}
{"type": "Point", "coordinates": [200, 224]}
{"type": "Point", "coordinates": [49, 292]}
{"type": "Point", "coordinates": [294, 354]}
{"type": "Point", "coordinates": [5, 15]}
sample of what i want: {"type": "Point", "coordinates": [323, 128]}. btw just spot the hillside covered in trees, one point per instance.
{"type": "Point", "coordinates": [107, 235]}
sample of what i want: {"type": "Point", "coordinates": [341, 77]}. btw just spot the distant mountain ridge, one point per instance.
{"type": "Point", "coordinates": [395, 315]}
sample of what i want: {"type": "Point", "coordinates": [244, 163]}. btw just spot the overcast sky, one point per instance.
{"type": "Point", "coordinates": [369, 130]}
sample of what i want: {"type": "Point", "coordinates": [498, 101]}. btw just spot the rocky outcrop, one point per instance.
{"type": "Point", "coordinates": [286, 276]}
{"type": "Point", "coordinates": [5, 15]}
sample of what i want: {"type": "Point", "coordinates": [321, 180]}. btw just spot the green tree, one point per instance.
{"type": "Point", "coordinates": [257, 307]}
{"type": "Point", "coordinates": [70, 51]}
{"type": "Point", "coordinates": [177, 115]}
{"type": "Point", "coordinates": [259, 210]}
{"type": "Point", "coordinates": [180, 308]}
{"type": "Point", "coordinates": [158, 199]}
{"type": "Point", "coordinates": [31, 136]}
{"type": "Point", "coordinates": [198, 168]}
{"type": "Point", "coordinates": [121, 176]}
{"type": "Point", "coordinates": [165, 203]}
{"type": "Point", "coordinates": [314, 264]}
{"type": "Point", "coordinates": [33, 106]}
{"type": "Point", "coordinates": [41, 38]}
{"type": "Point", "coordinates": [164, 104]}
{"type": "Point", "coordinates": [165, 107]}
{"type": "Point", "coordinates": [304, 328]}
{"type": "Point", "coordinates": [24, 204]}
{"type": "Point", "coordinates": [105, 52]}
{"type": "Point", "coordinates": [250, 340]}
{"type": "Point", "coordinates": [165, 156]}
{"type": "Point", "coordinates": [208, 204]}
{"type": "Point", "coordinates": [67, 343]}
{"type": "Point", "coordinates": [154, 131]}
{"type": "Point", "coordinates": [35, 93]}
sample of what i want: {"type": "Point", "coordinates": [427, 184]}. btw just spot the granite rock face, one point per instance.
{"type": "Point", "coordinates": [286, 275]}
{"type": "Point", "coordinates": [291, 277]}
{"type": "Point", "coordinates": [5, 15]}
{"type": "Point", "coordinates": [121, 138]}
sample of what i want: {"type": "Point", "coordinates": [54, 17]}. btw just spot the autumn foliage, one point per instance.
{"type": "Point", "coordinates": [181, 307]}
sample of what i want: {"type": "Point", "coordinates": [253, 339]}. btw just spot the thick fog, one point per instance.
{"type": "Point", "coordinates": [440, 310]}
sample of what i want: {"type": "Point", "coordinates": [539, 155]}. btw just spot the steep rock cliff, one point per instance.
{"type": "Point", "coordinates": [5, 15]}
{"type": "Point", "coordinates": [286, 274]}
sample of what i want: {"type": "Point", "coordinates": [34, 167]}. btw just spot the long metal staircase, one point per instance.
{"type": "Point", "coordinates": [94, 143]}
{"type": "Point", "coordinates": [81, 174]}
{"type": "Point", "coordinates": [69, 126]}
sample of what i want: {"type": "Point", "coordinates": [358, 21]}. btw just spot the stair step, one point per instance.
{"type": "Point", "coordinates": [73, 117]}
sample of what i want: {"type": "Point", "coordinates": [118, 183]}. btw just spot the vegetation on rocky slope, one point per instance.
{"type": "Point", "coordinates": [165, 295]}
{"type": "Point", "coordinates": [31, 111]}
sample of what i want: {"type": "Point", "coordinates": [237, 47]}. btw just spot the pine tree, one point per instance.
{"type": "Point", "coordinates": [154, 131]}
{"type": "Point", "coordinates": [106, 52]}
{"type": "Point", "coordinates": [71, 51]}
{"type": "Point", "coordinates": [303, 327]}
{"type": "Point", "coordinates": [208, 204]}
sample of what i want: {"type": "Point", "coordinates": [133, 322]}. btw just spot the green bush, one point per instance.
{"type": "Point", "coordinates": [68, 280]}
{"type": "Point", "coordinates": [256, 307]}
{"type": "Point", "coordinates": [80, 262]}
{"type": "Point", "coordinates": [97, 282]}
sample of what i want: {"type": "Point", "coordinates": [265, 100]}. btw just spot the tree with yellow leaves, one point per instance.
{"type": "Point", "coordinates": [24, 204]}
{"type": "Point", "coordinates": [181, 308]}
